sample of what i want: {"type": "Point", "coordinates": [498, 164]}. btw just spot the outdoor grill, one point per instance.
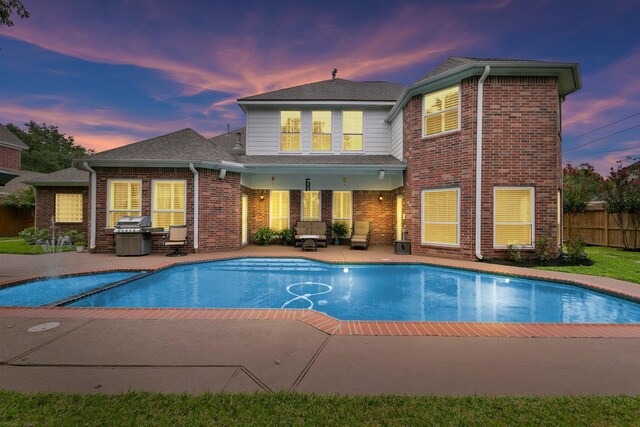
{"type": "Point", "coordinates": [132, 235]}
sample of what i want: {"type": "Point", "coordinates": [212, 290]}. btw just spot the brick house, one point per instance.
{"type": "Point", "coordinates": [403, 158]}
{"type": "Point", "coordinates": [10, 155]}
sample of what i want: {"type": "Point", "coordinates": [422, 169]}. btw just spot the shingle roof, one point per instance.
{"type": "Point", "coordinates": [21, 182]}
{"type": "Point", "coordinates": [68, 176]}
{"type": "Point", "coordinates": [7, 137]}
{"type": "Point", "coordinates": [319, 160]}
{"type": "Point", "coordinates": [457, 61]}
{"type": "Point", "coordinates": [227, 141]}
{"type": "Point", "coordinates": [185, 144]}
{"type": "Point", "coordinates": [338, 90]}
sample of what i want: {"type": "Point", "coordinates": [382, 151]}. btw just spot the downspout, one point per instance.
{"type": "Point", "coordinates": [92, 241]}
{"type": "Point", "coordinates": [479, 164]}
{"type": "Point", "coordinates": [195, 205]}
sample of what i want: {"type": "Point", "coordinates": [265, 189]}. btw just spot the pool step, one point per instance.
{"type": "Point", "coordinates": [266, 264]}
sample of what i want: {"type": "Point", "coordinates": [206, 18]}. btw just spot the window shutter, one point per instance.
{"type": "Point", "coordinates": [513, 216]}
{"type": "Point", "coordinates": [311, 206]}
{"type": "Point", "coordinates": [279, 206]}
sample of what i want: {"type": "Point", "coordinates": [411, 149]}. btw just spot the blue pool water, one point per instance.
{"type": "Point", "coordinates": [43, 292]}
{"type": "Point", "coordinates": [348, 292]}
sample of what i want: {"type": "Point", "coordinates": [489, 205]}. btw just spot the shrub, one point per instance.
{"type": "Point", "coordinates": [77, 238]}
{"type": "Point", "coordinates": [288, 234]}
{"type": "Point", "coordinates": [33, 236]}
{"type": "Point", "coordinates": [515, 254]}
{"type": "Point", "coordinates": [544, 248]}
{"type": "Point", "coordinates": [264, 235]}
{"type": "Point", "coordinates": [575, 249]}
{"type": "Point", "coordinates": [340, 230]}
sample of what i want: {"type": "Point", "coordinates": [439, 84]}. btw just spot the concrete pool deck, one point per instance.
{"type": "Point", "coordinates": [114, 350]}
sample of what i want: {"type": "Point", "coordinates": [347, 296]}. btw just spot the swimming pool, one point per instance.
{"type": "Point", "coordinates": [393, 292]}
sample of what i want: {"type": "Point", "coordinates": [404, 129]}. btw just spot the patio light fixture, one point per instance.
{"type": "Point", "coordinates": [380, 198]}
{"type": "Point", "coordinates": [307, 184]}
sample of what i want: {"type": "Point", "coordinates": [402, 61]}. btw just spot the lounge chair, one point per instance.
{"type": "Point", "coordinates": [176, 238]}
{"type": "Point", "coordinates": [361, 234]}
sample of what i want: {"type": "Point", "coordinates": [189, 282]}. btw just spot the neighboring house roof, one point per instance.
{"type": "Point", "coordinates": [20, 182]}
{"type": "Point", "coordinates": [181, 147]}
{"type": "Point", "coordinates": [333, 90]}
{"type": "Point", "coordinates": [9, 139]}
{"type": "Point", "coordinates": [69, 177]}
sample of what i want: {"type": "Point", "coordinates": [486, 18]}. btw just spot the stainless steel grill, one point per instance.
{"type": "Point", "coordinates": [132, 235]}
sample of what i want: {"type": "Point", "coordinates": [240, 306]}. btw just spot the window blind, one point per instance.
{"type": "Point", "coordinates": [168, 203]}
{"type": "Point", "coordinates": [441, 111]}
{"type": "Point", "coordinates": [342, 207]}
{"type": "Point", "coordinates": [440, 216]}
{"type": "Point", "coordinates": [513, 216]}
{"type": "Point", "coordinates": [124, 200]}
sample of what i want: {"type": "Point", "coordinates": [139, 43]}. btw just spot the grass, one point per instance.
{"type": "Point", "coordinates": [14, 245]}
{"type": "Point", "coordinates": [286, 408]}
{"type": "Point", "coordinates": [609, 262]}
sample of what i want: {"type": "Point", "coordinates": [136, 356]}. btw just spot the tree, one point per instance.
{"type": "Point", "coordinates": [21, 199]}
{"type": "Point", "coordinates": [7, 8]}
{"type": "Point", "coordinates": [49, 150]}
{"type": "Point", "coordinates": [622, 201]}
{"type": "Point", "coordinates": [580, 184]}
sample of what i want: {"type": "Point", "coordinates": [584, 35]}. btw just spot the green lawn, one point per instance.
{"type": "Point", "coordinates": [609, 262]}
{"type": "Point", "coordinates": [56, 409]}
{"type": "Point", "coordinates": [15, 245]}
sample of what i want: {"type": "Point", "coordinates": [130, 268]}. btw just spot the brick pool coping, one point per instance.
{"type": "Point", "coordinates": [334, 326]}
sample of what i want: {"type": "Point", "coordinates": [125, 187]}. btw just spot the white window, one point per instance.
{"type": "Point", "coordinates": [352, 126]}
{"type": "Point", "coordinates": [290, 131]}
{"type": "Point", "coordinates": [279, 210]}
{"type": "Point", "coordinates": [123, 199]}
{"type": "Point", "coordinates": [441, 111]}
{"type": "Point", "coordinates": [441, 217]}
{"type": "Point", "coordinates": [342, 208]}
{"type": "Point", "coordinates": [169, 203]}
{"type": "Point", "coordinates": [311, 206]}
{"type": "Point", "coordinates": [68, 207]}
{"type": "Point", "coordinates": [513, 216]}
{"type": "Point", "coordinates": [321, 131]}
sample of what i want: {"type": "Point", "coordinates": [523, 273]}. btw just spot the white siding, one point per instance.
{"type": "Point", "coordinates": [263, 130]}
{"type": "Point", "coordinates": [377, 132]}
{"type": "Point", "coordinates": [396, 136]}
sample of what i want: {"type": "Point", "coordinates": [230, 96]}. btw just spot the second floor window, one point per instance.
{"type": "Point", "coordinates": [290, 131]}
{"type": "Point", "coordinates": [321, 131]}
{"type": "Point", "coordinates": [352, 131]}
{"type": "Point", "coordinates": [441, 111]}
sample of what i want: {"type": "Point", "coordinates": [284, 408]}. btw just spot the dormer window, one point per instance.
{"type": "Point", "coordinates": [290, 131]}
{"type": "Point", "coordinates": [441, 112]}
{"type": "Point", "coordinates": [321, 131]}
{"type": "Point", "coordinates": [352, 131]}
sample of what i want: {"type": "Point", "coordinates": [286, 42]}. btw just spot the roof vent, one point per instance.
{"type": "Point", "coordinates": [238, 145]}
{"type": "Point", "coordinates": [333, 74]}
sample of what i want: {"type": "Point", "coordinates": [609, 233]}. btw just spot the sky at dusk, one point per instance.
{"type": "Point", "coordinates": [114, 72]}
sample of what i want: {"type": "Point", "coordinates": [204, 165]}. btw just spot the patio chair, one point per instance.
{"type": "Point", "coordinates": [176, 238]}
{"type": "Point", "coordinates": [360, 235]}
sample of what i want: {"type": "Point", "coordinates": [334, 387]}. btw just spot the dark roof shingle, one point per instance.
{"type": "Point", "coordinates": [185, 144]}
{"type": "Point", "coordinates": [7, 137]}
{"type": "Point", "coordinates": [338, 90]}
{"type": "Point", "coordinates": [68, 176]}
{"type": "Point", "coordinates": [458, 61]}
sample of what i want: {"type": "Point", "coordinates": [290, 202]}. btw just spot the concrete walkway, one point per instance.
{"type": "Point", "coordinates": [94, 355]}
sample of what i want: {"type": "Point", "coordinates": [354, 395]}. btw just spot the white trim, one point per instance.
{"type": "Point", "coordinates": [93, 213]}
{"type": "Point", "coordinates": [333, 204]}
{"type": "Point", "coordinates": [422, 124]}
{"type": "Point", "coordinates": [533, 216]}
{"type": "Point", "coordinates": [153, 198]}
{"type": "Point", "coordinates": [422, 221]}
{"type": "Point", "coordinates": [289, 203]}
{"type": "Point", "coordinates": [109, 181]}
{"type": "Point", "coordinates": [319, 205]}
{"type": "Point", "coordinates": [312, 103]}
{"type": "Point", "coordinates": [478, 213]}
{"type": "Point", "coordinates": [196, 205]}
{"type": "Point", "coordinates": [10, 145]}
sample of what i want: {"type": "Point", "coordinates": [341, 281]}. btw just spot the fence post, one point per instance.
{"type": "Point", "coordinates": [606, 228]}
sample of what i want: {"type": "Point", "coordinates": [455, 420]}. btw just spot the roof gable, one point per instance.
{"type": "Point", "coordinates": [8, 138]}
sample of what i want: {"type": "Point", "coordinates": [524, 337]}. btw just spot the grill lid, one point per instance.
{"type": "Point", "coordinates": [133, 221]}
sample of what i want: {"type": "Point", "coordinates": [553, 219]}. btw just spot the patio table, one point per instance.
{"type": "Point", "coordinates": [309, 242]}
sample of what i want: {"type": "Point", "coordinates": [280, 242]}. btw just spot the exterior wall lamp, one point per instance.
{"type": "Point", "coordinates": [307, 184]}
{"type": "Point", "coordinates": [380, 198]}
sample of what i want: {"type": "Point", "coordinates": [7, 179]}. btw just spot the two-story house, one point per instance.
{"type": "Point", "coordinates": [462, 163]}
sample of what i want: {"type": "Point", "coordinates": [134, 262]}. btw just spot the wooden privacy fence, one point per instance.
{"type": "Point", "coordinates": [599, 228]}
{"type": "Point", "coordinates": [13, 220]}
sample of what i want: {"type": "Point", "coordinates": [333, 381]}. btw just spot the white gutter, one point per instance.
{"type": "Point", "coordinates": [479, 164]}
{"type": "Point", "coordinates": [92, 241]}
{"type": "Point", "coordinates": [195, 205]}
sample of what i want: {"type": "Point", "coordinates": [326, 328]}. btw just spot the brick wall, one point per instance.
{"type": "Point", "coordinates": [10, 158]}
{"type": "Point", "coordinates": [219, 204]}
{"type": "Point", "coordinates": [521, 146]}
{"type": "Point", "coordinates": [46, 208]}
